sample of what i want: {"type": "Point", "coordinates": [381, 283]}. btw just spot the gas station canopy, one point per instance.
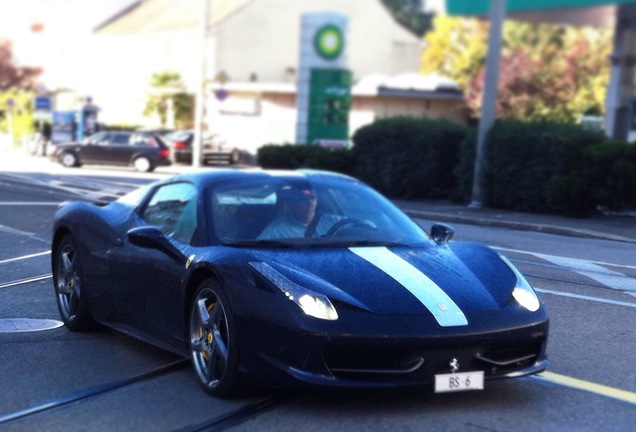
{"type": "Point", "coordinates": [577, 12]}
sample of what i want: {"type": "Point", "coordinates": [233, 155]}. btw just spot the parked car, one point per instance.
{"type": "Point", "coordinates": [143, 151]}
{"type": "Point", "coordinates": [214, 149]}
{"type": "Point", "coordinates": [361, 296]}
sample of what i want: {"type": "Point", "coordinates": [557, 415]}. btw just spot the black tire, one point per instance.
{"type": "Point", "coordinates": [213, 343]}
{"type": "Point", "coordinates": [69, 159]}
{"type": "Point", "coordinates": [68, 282]}
{"type": "Point", "coordinates": [235, 157]}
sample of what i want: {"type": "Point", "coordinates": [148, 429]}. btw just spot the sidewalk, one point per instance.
{"type": "Point", "coordinates": [616, 228]}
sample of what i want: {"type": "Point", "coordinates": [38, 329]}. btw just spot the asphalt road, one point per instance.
{"type": "Point", "coordinates": [58, 380]}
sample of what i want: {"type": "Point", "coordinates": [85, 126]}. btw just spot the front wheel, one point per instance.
{"type": "Point", "coordinates": [213, 344]}
{"type": "Point", "coordinates": [68, 159]}
{"type": "Point", "coordinates": [69, 286]}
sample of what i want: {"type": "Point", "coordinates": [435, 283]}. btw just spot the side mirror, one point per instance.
{"type": "Point", "coordinates": [152, 238]}
{"type": "Point", "coordinates": [442, 233]}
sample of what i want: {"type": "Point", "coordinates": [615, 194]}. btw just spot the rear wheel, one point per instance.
{"type": "Point", "coordinates": [213, 344]}
{"type": "Point", "coordinates": [69, 286]}
{"type": "Point", "coordinates": [142, 164]}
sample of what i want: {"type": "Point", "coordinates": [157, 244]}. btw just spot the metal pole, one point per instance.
{"type": "Point", "coordinates": [199, 114]}
{"type": "Point", "coordinates": [489, 98]}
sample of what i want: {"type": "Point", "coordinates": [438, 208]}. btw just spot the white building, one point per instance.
{"type": "Point", "coordinates": [255, 43]}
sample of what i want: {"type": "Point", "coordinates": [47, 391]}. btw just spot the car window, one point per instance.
{"type": "Point", "coordinates": [173, 209]}
{"type": "Point", "coordinates": [99, 138]}
{"type": "Point", "coordinates": [276, 208]}
{"type": "Point", "coordinates": [180, 136]}
{"type": "Point", "coordinates": [120, 139]}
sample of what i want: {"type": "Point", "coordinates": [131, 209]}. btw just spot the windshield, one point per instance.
{"type": "Point", "coordinates": [307, 211]}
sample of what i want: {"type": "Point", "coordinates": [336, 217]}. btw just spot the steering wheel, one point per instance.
{"type": "Point", "coordinates": [344, 222]}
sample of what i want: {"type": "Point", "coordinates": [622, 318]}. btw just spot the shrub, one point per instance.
{"type": "Point", "coordinates": [291, 156]}
{"type": "Point", "coordinates": [465, 170]}
{"type": "Point", "coordinates": [612, 169]}
{"type": "Point", "coordinates": [522, 159]}
{"type": "Point", "coordinates": [409, 157]}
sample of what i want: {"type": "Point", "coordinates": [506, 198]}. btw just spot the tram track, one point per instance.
{"type": "Point", "coordinates": [90, 393]}
{"type": "Point", "coordinates": [215, 423]}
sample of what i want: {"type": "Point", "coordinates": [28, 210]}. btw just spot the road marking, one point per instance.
{"type": "Point", "coordinates": [591, 269]}
{"type": "Point", "coordinates": [584, 297]}
{"type": "Point", "coordinates": [6, 229]}
{"type": "Point", "coordinates": [25, 281]}
{"type": "Point", "coordinates": [601, 263]}
{"type": "Point", "coordinates": [610, 392]}
{"type": "Point", "coordinates": [25, 257]}
{"type": "Point", "coordinates": [600, 274]}
{"type": "Point", "coordinates": [29, 203]}
{"type": "Point", "coordinates": [15, 231]}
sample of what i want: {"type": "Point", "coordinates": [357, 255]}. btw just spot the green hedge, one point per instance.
{"type": "Point", "coordinates": [291, 156]}
{"type": "Point", "coordinates": [612, 173]}
{"type": "Point", "coordinates": [540, 167]}
{"type": "Point", "coordinates": [526, 163]}
{"type": "Point", "coordinates": [409, 157]}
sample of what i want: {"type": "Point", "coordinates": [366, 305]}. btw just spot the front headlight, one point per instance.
{"type": "Point", "coordinates": [523, 292]}
{"type": "Point", "coordinates": [526, 298]}
{"type": "Point", "coordinates": [311, 303]}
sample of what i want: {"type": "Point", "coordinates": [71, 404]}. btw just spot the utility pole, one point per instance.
{"type": "Point", "coordinates": [10, 104]}
{"type": "Point", "coordinates": [199, 114]}
{"type": "Point", "coordinates": [489, 98]}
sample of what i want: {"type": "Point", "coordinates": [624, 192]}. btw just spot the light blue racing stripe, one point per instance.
{"type": "Point", "coordinates": [443, 308]}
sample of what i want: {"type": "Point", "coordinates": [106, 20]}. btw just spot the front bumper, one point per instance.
{"type": "Point", "coordinates": [350, 360]}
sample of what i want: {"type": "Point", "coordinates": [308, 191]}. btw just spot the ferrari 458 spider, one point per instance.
{"type": "Point", "coordinates": [277, 278]}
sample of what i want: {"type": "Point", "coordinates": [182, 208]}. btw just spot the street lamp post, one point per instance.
{"type": "Point", "coordinates": [199, 114]}
{"type": "Point", "coordinates": [489, 98]}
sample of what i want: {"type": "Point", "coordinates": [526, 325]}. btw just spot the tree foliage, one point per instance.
{"type": "Point", "coordinates": [455, 48]}
{"type": "Point", "coordinates": [16, 94]}
{"type": "Point", "coordinates": [168, 96]}
{"type": "Point", "coordinates": [12, 76]}
{"type": "Point", "coordinates": [546, 70]}
{"type": "Point", "coordinates": [409, 14]}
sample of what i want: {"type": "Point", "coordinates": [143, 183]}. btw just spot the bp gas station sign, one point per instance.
{"type": "Point", "coordinates": [329, 41]}
{"type": "Point", "coordinates": [324, 87]}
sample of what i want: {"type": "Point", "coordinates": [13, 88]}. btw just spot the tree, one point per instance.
{"type": "Point", "coordinates": [455, 48]}
{"type": "Point", "coordinates": [545, 71]}
{"type": "Point", "coordinates": [409, 14]}
{"type": "Point", "coordinates": [168, 96]}
{"type": "Point", "coordinates": [12, 76]}
{"type": "Point", "coordinates": [16, 94]}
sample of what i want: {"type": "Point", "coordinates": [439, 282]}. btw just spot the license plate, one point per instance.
{"type": "Point", "coordinates": [459, 382]}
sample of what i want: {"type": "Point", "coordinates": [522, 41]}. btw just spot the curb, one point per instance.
{"type": "Point", "coordinates": [520, 226]}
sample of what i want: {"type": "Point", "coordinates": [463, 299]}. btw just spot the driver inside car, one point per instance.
{"type": "Point", "coordinates": [297, 216]}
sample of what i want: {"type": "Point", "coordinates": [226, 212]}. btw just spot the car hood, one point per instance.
{"type": "Point", "coordinates": [453, 278]}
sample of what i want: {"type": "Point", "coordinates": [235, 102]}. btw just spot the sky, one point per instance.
{"type": "Point", "coordinates": [66, 30]}
{"type": "Point", "coordinates": [59, 16]}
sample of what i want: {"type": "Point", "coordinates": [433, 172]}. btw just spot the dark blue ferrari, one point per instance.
{"type": "Point", "coordinates": [276, 278]}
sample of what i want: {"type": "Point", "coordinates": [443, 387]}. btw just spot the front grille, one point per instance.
{"type": "Point", "coordinates": [419, 364]}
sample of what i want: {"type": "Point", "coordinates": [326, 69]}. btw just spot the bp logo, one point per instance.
{"type": "Point", "coordinates": [329, 41]}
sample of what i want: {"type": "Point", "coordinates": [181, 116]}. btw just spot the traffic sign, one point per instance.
{"type": "Point", "coordinates": [43, 103]}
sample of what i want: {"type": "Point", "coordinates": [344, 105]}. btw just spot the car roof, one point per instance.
{"type": "Point", "coordinates": [204, 178]}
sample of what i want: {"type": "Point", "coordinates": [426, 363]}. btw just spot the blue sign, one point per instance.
{"type": "Point", "coordinates": [43, 103]}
